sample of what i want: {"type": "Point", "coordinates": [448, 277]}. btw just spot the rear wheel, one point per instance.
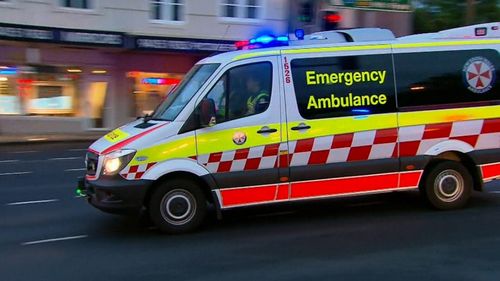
{"type": "Point", "coordinates": [178, 206]}
{"type": "Point", "coordinates": [448, 185]}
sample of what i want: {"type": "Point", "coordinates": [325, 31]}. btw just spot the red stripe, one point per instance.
{"type": "Point", "coordinates": [133, 169]}
{"type": "Point", "coordinates": [224, 166]}
{"type": "Point", "coordinates": [243, 196]}
{"type": "Point", "coordinates": [359, 153]}
{"type": "Point", "coordinates": [491, 171]}
{"type": "Point", "coordinates": [304, 145]}
{"type": "Point", "coordinates": [252, 164]}
{"type": "Point", "coordinates": [241, 154]}
{"type": "Point", "coordinates": [131, 139]}
{"type": "Point", "coordinates": [215, 157]}
{"type": "Point", "coordinates": [409, 179]}
{"type": "Point", "coordinates": [472, 140]}
{"type": "Point", "coordinates": [93, 151]}
{"type": "Point", "coordinates": [318, 157]}
{"type": "Point", "coordinates": [408, 148]}
{"type": "Point", "coordinates": [491, 126]}
{"type": "Point", "coordinates": [317, 188]}
{"type": "Point", "coordinates": [340, 141]}
{"type": "Point", "coordinates": [386, 136]}
{"type": "Point", "coordinates": [344, 185]}
{"type": "Point", "coordinates": [282, 192]}
{"type": "Point", "coordinates": [271, 150]}
{"type": "Point", "coordinates": [434, 131]}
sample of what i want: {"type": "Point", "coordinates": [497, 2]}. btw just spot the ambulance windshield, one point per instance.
{"type": "Point", "coordinates": [182, 94]}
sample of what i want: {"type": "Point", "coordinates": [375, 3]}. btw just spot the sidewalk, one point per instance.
{"type": "Point", "coordinates": [46, 138]}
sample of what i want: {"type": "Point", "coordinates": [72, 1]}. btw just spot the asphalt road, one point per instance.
{"type": "Point", "coordinates": [46, 233]}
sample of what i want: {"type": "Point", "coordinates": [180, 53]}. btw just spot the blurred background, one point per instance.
{"type": "Point", "coordinates": [73, 66]}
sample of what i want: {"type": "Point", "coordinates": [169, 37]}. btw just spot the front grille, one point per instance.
{"type": "Point", "coordinates": [91, 162]}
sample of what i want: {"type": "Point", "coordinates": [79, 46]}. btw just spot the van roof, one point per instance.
{"type": "Point", "coordinates": [462, 35]}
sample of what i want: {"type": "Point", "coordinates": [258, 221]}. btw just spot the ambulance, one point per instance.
{"type": "Point", "coordinates": [337, 113]}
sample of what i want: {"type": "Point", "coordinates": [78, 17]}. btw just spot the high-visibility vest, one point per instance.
{"type": "Point", "coordinates": [252, 101]}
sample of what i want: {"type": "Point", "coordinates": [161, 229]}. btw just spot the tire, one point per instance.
{"type": "Point", "coordinates": [178, 206]}
{"type": "Point", "coordinates": [448, 185]}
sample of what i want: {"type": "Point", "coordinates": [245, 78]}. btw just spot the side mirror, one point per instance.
{"type": "Point", "coordinates": [207, 113]}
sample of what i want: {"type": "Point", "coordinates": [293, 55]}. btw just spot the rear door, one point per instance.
{"type": "Point", "coordinates": [341, 121]}
{"type": "Point", "coordinates": [241, 149]}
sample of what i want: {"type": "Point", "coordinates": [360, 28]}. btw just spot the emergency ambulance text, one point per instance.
{"type": "Point", "coordinates": [347, 78]}
{"type": "Point", "coordinates": [348, 101]}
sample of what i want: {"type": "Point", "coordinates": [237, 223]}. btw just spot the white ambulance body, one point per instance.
{"type": "Point", "coordinates": [337, 114]}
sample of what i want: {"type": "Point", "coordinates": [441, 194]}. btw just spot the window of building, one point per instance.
{"type": "Point", "coordinates": [77, 4]}
{"type": "Point", "coordinates": [40, 90]}
{"type": "Point", "coordinates": [167, 10]}
{"type": "Point", "coordinates": [9, 100]}
{"type": "Point", "coordinates": [344, 86]}
{"type": "Point", "coordinates": [242, 91]}
{"type": "Point", "coordinates": [448, 77]}
{"type": "Point", "coordinates": [243, 9]}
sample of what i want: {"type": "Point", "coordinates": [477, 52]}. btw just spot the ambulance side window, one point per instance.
{"type": "Point", "coordinates": [242, 91]}
{"type": "Point", "coordinates": [329, 87]}
{"type": "Point", "coordinates": [447, 77]}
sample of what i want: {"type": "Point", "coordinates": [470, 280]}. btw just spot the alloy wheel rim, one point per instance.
{"type": "Point", "coordinates": [178, 207]}
{"type": "Point", "coordinates": [449, 185]}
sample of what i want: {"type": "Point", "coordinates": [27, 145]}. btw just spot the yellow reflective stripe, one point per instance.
{"type": "Point", "coordinates": [116, 136]}
{"type": "Point", "coordinates": [442, 44]}
{"type": "Point", "coordinates": [256, 54]}
{"type": "Point", "coordinates": [180, 148]}
{"type": "Point", "coordinates": [448, 115]}
{"type": "Point", "coordinates": [342, 125]}
{"type": "Point", "coordinates": [223, 140]}
{"type": "Point", "coordinates": [336, 49]}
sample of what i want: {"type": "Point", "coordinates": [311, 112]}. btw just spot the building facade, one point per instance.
{"type": "Point", "coordinates": [68, 66]}
{"type": "Point", "coordinates": [318, 15]}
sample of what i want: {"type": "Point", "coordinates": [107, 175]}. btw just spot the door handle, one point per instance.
{"type": "Point", "coordinates": [301, 126]}
{"type": "Point", "coordinates": [266, 130]}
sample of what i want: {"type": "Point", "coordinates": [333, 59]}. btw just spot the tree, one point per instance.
{"type": "Point", "coordinates": [435, 15]}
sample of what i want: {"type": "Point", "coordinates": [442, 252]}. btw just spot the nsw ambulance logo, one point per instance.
{"type": "Point", "coordinates": [479, 73]}
{"type": "Point", "coordinates": [239, 138]}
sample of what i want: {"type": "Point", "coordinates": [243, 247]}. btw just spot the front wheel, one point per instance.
{"type": "Point", "coordinates": [178, 206]}
{"type": "Point", "coordinates": [448, 185]}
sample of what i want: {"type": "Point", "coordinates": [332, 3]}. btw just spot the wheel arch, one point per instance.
{"type": "Point", "coordinates": [456, 156]}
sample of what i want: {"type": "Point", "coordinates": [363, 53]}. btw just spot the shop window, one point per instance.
{"type": "Point", "coordinates": [344, 86]}
{"type": "Point", "coordinates": [167, 10]}
{"type": "Point", "coordinates": [77, 4]}
{"type": "Point", "coordinates": [241, 9]}
{"type": "Point", "coordinates": [38, 90]}
{"type": "Point", "coordinates": [242, 91]}
{"type": "Point", "coordinates": [51, 98]}
{"type": "Point", "coordinates": [447, 77]}
{"type": "Point", "coordinates": [9, 100]}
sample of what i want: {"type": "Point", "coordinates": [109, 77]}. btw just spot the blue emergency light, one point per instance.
{"type": "Point", "coordinates": [264, 41]}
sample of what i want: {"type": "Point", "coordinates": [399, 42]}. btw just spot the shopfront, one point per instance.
{"type": "Point", "coordinates": [69, 81]}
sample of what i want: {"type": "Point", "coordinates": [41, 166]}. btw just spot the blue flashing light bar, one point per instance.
{"type": "Point", "coordinates": [264, 41]}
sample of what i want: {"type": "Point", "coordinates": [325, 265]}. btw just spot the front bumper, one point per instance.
{"type": "Point", "coordinates": [114, 194]}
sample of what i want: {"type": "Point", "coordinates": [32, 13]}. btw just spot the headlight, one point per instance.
{"type": "Point", "coordinates": [117, 160]}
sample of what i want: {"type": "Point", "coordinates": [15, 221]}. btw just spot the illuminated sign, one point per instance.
{"type": "Point", "coordinates": [8, 71]}
{"type": "Point", "coordinates": [390, 5]}
{"type": "Point", "coordinates": [154, 43]}
{"type": "Point", "coordinates": [110, 38]}
{"type": "Point", "coordinates": [160, 81]}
